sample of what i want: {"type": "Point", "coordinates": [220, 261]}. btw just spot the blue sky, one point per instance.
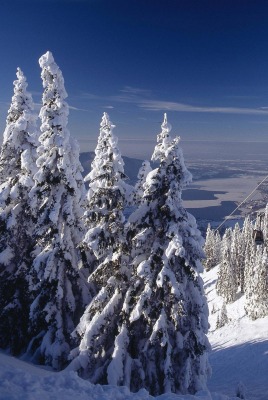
{"type": "Point", "coordinates": [205, 63]}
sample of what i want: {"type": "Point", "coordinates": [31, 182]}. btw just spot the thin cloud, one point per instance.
{"type": "Point", "coordinates": [139, 97]}
{"type": "Point", "coordinates": [128, 94]}
{"type": "Point", "coordinates": [136, 91]}
{"type": "Point", "coordinates": [155, 105]}
{"type": "Point", "coordinates": [77, 109]}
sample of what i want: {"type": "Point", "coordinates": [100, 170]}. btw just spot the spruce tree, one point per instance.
{"type": "Point", "coordinates": [107, 198]}
{"type": "Point", "coordinates": [241, 391]}
{"type": "Point", "coordinates": [227, 284]}
{"type": "Point", "coordinates": [61, 293]}
{"type": "Point", "coordinates": [17, 167]}
{"type": "Point", "coordinates": [264, 223]}
{"type": "Point", "coordinates": [105, 239]}
{"type": "Point", "coordinates": [218, 322]}
{"type": "Point", "coordinates": [237, 255]}
{"type": "Point", "coordinates": [157, 341]}
{"type": "Point", "coordinates": [224, 318]}
{"type": "Point", "coordinates": [217, 248]}
{"type": "Point", "coordinates": [256, 304]}
{"type": "Point", "coordinates": [249, 252]}
{"type": "Point", "coordinates": [209, 247]}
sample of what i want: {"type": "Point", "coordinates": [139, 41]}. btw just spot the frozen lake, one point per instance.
{"type": "Point", "coordinates": [224, 173]}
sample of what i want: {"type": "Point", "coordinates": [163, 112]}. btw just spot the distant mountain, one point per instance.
{"type": "Point", "coordinates": [132, 165]}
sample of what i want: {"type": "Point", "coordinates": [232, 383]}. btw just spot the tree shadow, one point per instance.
{"type": "Point", "coordinates": [247, 363]}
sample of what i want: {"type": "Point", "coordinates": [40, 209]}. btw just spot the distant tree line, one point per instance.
{"type": "Point", "coordinates": [243, 264]}
{"type": "Point", "coordinates": [118, 300]}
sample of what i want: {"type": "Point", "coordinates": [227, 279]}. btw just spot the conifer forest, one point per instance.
{"type": "Point", "coordinates": [106, 279]}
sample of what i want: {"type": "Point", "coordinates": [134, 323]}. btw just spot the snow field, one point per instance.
{"type": "Point", "coordinates": [20, 380]}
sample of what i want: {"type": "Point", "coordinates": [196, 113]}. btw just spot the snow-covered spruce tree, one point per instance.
{"type": "Point", "coordinates": [107, 199]}
{"type": "Point", "coordinates": [61, 293]}
{"type": "Point", "coordinates": [223, 319]}
{"type": "Point", "coordinates": [212, 248]}
{"type": "Point", "coordinates": [227, 283]}
{"type": "Point", "coordinates": [165, 305]}
{"type": "Point", "coordinates": [264, 222]}
{"type": "Point", "coordinates": [139, 187]}
{"type": "Point", "coordinates": [158, 341]}
{"type": "Point", "coordinates": [249, 252]}
{"type": "Point", "coordinates": [217, 247]}
{"type": "Point", "coordinates": [237, 255]}
{"type": "Point", "coordinates": [218, 322]}
{"type": "Point", "coordinates": [17, 167]}
{"type": "Point", "coordinates": [209, 246]}
{"type": "Point", "coordinates": [256, 304]}
{"type": "Point", "coordinates": [241, 390]}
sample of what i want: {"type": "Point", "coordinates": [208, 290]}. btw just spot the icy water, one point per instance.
{"type": "Point", "coordinates": [209, 162]}
{"type": "Point", "coordinates": [219, 151]}
{"type": "Point", "coordinates": [199, 194]}
{"type": "Point", "coordinates": [214, 213]}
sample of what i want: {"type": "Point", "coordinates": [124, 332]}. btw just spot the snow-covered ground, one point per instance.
{"type": "Point", "coordinates": [239, 349]}
{"type": "Point", "coordinates": [239, 354]}
{"type": "Point", "coordinates": [23, 381]}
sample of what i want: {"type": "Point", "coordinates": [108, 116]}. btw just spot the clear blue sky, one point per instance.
{"type": "Point", "coordinates": [203, 62]}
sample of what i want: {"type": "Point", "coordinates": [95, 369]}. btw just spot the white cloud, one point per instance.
{"type": "Point", "coordinates": [142, 99]}
{"type": "Point", "coordinates": [77, 109]}
{"type": "Point", "coordinates": [156, 105]}
{"type": "Point", "coordinates": [136, 91]}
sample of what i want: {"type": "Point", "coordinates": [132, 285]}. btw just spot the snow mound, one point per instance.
{"type": "Point", "coordinates": [20, 380]}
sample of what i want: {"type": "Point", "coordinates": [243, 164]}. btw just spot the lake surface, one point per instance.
{"type": "Point", "coordinates": [214, 213]}
{"type": "Point", "coordinates": [199, 194]}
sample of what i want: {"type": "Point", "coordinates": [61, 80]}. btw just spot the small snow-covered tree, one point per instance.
{"type": "Point", "coordinates": [241, 391]}
{"type": "Point", "coordinates": [218, 321]}
{"type": "Point", "coordinates": [107, 199]}
{"type": "Point", "coordinates": [217, 247]}
{"type": "Point", "coordinates": [264, 222]}
{"type": "Point", "coordinates": [256, 304]}
{"type": "Point", "coordinates": [61, 292]}
{"type": "Point", "coordinates": [237, 255]}
{"type": "Point", "coordinates": [209, 249]}
{"type": "Point", "coordinates": [17, 167]}
{"type": "Point", "coordinates": [227, 284]}
{"type": "Point", "coordinates": [224, 316]}
{"type": "Point", "coordinates": [157, 340]}
{"type": "Point", "coordinates": [249, 251]}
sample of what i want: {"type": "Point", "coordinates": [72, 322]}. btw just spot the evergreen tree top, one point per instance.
{"type": "Point", "coordinates": [106, 123]}
{"type": "Point", "coordinates": [108, 163]}
{"type": "Point", "coordinates": [21, 103]}
{"type": "Point", "coordinates": [52, 78]}
{"type": "Point", "coordinates": [57, 152]}
{"type": "Point", "coordinates": [55, 149]}
{"type": "Point", "coordinates": [166, 126]}
{"type": "Point", "coordinates": [163, 140]}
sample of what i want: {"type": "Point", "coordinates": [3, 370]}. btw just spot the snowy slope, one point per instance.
{"type": "Point", "coordinates": [239, 349]}
{"type": "Point", "coordinates": [239, 354]}
{"type": "Point", "coordinates": [23, 381]}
